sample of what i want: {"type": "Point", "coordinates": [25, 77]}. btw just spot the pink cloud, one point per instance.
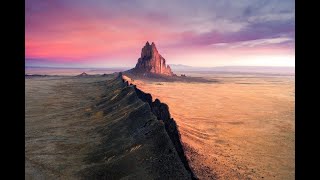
{"type": "Point", "coordinates": [80, 31]}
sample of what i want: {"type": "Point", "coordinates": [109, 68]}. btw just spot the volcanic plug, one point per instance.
{"type": "Point", "coordinates": [151, 62]}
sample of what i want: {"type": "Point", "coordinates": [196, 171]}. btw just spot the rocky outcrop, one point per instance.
{"type": "Point", "coordinates": [82, 74]}
{"type": "Point", "coordinates": [161, 111]}
{"type": "Point", "coordinates": [152, 62]}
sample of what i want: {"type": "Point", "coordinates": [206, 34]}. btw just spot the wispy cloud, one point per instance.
{"type": "Point", "coordinates": [76, 30]}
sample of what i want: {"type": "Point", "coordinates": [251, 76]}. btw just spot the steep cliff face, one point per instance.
{"type": "Point", "coordinates": [152, 62]}
{"type": "Point", "coordinates": [161, 111]}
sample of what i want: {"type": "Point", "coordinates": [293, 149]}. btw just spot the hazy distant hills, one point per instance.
{"type": "Point", "coordinates": [180, 67]}
{"type": "Point", "coordinates": [175, 68]}
{"type": "Point", "coordinates": [242, 69]}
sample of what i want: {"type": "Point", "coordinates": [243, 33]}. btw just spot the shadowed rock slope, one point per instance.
{"type": "Point", "coordinates": [143, 144]}
{"type": "Point", "coordinates": [97, 129]}
{"type": "Point", "coordinates": [161, 111]}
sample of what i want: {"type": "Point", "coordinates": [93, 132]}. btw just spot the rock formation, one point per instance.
{"type": "Point", "coordinates": [161, 111]}
{"type": "Point", "coordinates": [83, 74]}
{"type": "Point", "coordinates": [152, 62]}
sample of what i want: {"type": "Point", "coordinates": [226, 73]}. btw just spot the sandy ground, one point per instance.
{"type": "Point", "coordinates": [240, 128]}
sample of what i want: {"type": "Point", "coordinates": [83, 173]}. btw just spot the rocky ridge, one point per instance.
{"type": "Point", "coordinates": [161, 111]}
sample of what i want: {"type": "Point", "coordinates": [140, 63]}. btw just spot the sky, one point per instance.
{"type": "Point", "coordinates": [206, 33]}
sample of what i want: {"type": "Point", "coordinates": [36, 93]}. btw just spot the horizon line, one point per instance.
{"type": "Point", "coordinates": [114, 67]}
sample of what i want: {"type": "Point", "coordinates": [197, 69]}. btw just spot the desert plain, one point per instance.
{"type": "Point", "coordinates": [239, 126]}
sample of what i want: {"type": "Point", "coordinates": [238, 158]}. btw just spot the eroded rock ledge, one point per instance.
{"type": "Point", "coordinates": [161, 111]}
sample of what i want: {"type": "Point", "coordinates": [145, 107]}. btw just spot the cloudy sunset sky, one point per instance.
{"type": "Point", "coordinates": [111, 33]}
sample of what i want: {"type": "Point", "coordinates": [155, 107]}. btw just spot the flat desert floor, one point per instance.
{"type": "Point", "coordinates": [242, 127]}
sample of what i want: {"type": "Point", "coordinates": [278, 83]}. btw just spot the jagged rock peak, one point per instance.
{"type": "Point", "coordinates": [152, 62]}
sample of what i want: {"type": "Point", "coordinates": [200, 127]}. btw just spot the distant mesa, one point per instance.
{"type": "Point", "coordinates": [151, 62]}
{"type": "Point", "coordinates": [29, 76]}
{"type": "Point", "coordinates": [35, 75]}
{"type": "Point", "coordinates": [82, 74]}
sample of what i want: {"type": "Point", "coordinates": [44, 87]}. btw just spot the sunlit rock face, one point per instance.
{"type": "Point", "coordinates": [152, 62]}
